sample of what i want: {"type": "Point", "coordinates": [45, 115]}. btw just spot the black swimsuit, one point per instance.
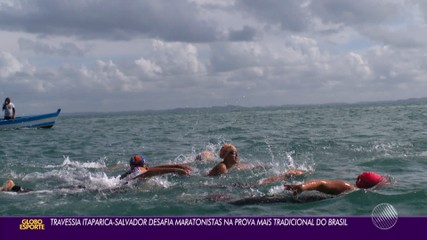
{"type": "Point", "coordinates": [17, 188]}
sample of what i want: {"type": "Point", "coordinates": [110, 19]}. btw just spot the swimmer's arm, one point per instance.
{"type": "Point", "coordinates": [286, 175]}
{"type": "Point", "coordinates": [181, 166]}
{"type": "Point", "coordinates": [125, 174]}
{"type": "Point", "coordinates": [272, 179]}
{"type": "Point", "coordinates": [333, 187]}
{"type": "Point", "coordinates": [219, 169]}
{"type": "Point", "coordinates": [154, 171]}
{"type": "Point", "coordinates": [245, 166]}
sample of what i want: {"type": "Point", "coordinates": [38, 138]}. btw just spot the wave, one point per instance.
{"type": "Point", "coordinates": [67, 162]}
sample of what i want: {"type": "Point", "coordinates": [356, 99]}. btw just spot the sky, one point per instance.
{"type": "Point", "coordinates": [131, 55]}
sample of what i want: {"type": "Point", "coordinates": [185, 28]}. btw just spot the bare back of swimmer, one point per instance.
{"type": "Point", "coordinates": [10, 186]}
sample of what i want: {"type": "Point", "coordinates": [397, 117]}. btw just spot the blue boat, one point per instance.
{"type": "Point", "coordinates": [37, 121]}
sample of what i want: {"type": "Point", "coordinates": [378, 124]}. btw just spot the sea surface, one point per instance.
{"type": "Point", "coordinates": [73, 169]}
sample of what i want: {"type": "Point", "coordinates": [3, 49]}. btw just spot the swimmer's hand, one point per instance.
{"type": "Point", "coordinates": [185, 172]}
{"type": "Point", "coordinates": [186, 168]}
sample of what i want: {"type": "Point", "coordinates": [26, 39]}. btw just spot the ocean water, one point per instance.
{"type": "Point", "coordinates": [73, 169]}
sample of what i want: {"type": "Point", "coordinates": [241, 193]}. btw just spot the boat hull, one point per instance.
{"type": "Point", "coordinates": [37, 121]}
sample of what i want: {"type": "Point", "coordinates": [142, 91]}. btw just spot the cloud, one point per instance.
{"type": "Point", "coordinates": [147, 67]}
{"type": "Point", "coordinates": [356, 12]}
{"type": "Point", "coordinates": [65, 49]}
{"type": "Point", "coordinates": [21, 78]}
{"type": "Point", "coordinates": [177, 58]}
{"type": "Point", "coordinates": [132, 55]}
{"type": "Point", "coordinates": [247, 33]}
{"type": "Point", "coordinates": [9, 65]}
{"type": "Point", "coordinates": [231, 56]}
{"type": "Point", "coordinates": [288, 14]}
{"type": "Point", "coordinates": [400, 38]}
{"type": "Point", "coordinates": [112, 20]}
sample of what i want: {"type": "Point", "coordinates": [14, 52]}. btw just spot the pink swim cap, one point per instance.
{"type": "Point", "coordinates": [368, 179]}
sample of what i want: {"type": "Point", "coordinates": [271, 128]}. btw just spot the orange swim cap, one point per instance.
{"type": "Point", "coordinates": [368, 179]}
{"type": "Point", "coordinates": [137, 160]}
{"type": "Point", "coordinates": [226, 148]}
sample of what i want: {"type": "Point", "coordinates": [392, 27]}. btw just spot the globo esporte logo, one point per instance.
{"type": "Point", "coordinates": [31, 224]}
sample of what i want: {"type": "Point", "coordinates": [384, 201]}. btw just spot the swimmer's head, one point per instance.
{"type": "Point", "coordinates": [226, 150]}
{"type": "Point", "coordinates": [137, 161]}
{"type": "Point", "coordinates": [369, 179]}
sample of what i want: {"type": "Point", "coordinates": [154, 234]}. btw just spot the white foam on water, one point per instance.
{"type": "Point", "coordinates": [14, 175]}
{"type": "Point", "coordinates": [291, 161]}
{"type": "Point", "coordinates": [276, 190]}
{"type": "Point", "coordinates": [100, 181]}
{"type": "Point", "coordinates": [158, 181]}
{"type": "Point", "coordinates": [68, 162]}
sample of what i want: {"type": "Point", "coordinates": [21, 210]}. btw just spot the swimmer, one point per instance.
{"type": "Point", "coordinates": [139, 169]}
{"type": "Point", "coordinates": [335, 187]}
{"type": "Point", "coordinates": [328, 188]}
{"type": "Point", "coordinates": [10, 186]}
{"type": "Point", "coordinates": [228, 152]}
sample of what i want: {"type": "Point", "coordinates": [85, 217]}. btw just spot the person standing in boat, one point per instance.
{"type": "Point", "coordinates": [9, 109]}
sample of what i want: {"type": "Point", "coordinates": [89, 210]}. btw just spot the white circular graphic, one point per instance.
{"type": "Point", "coordinates": [384, 216]}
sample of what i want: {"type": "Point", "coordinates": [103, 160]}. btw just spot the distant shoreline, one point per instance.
{"type": "Point", "coordinates": [236, 107]}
